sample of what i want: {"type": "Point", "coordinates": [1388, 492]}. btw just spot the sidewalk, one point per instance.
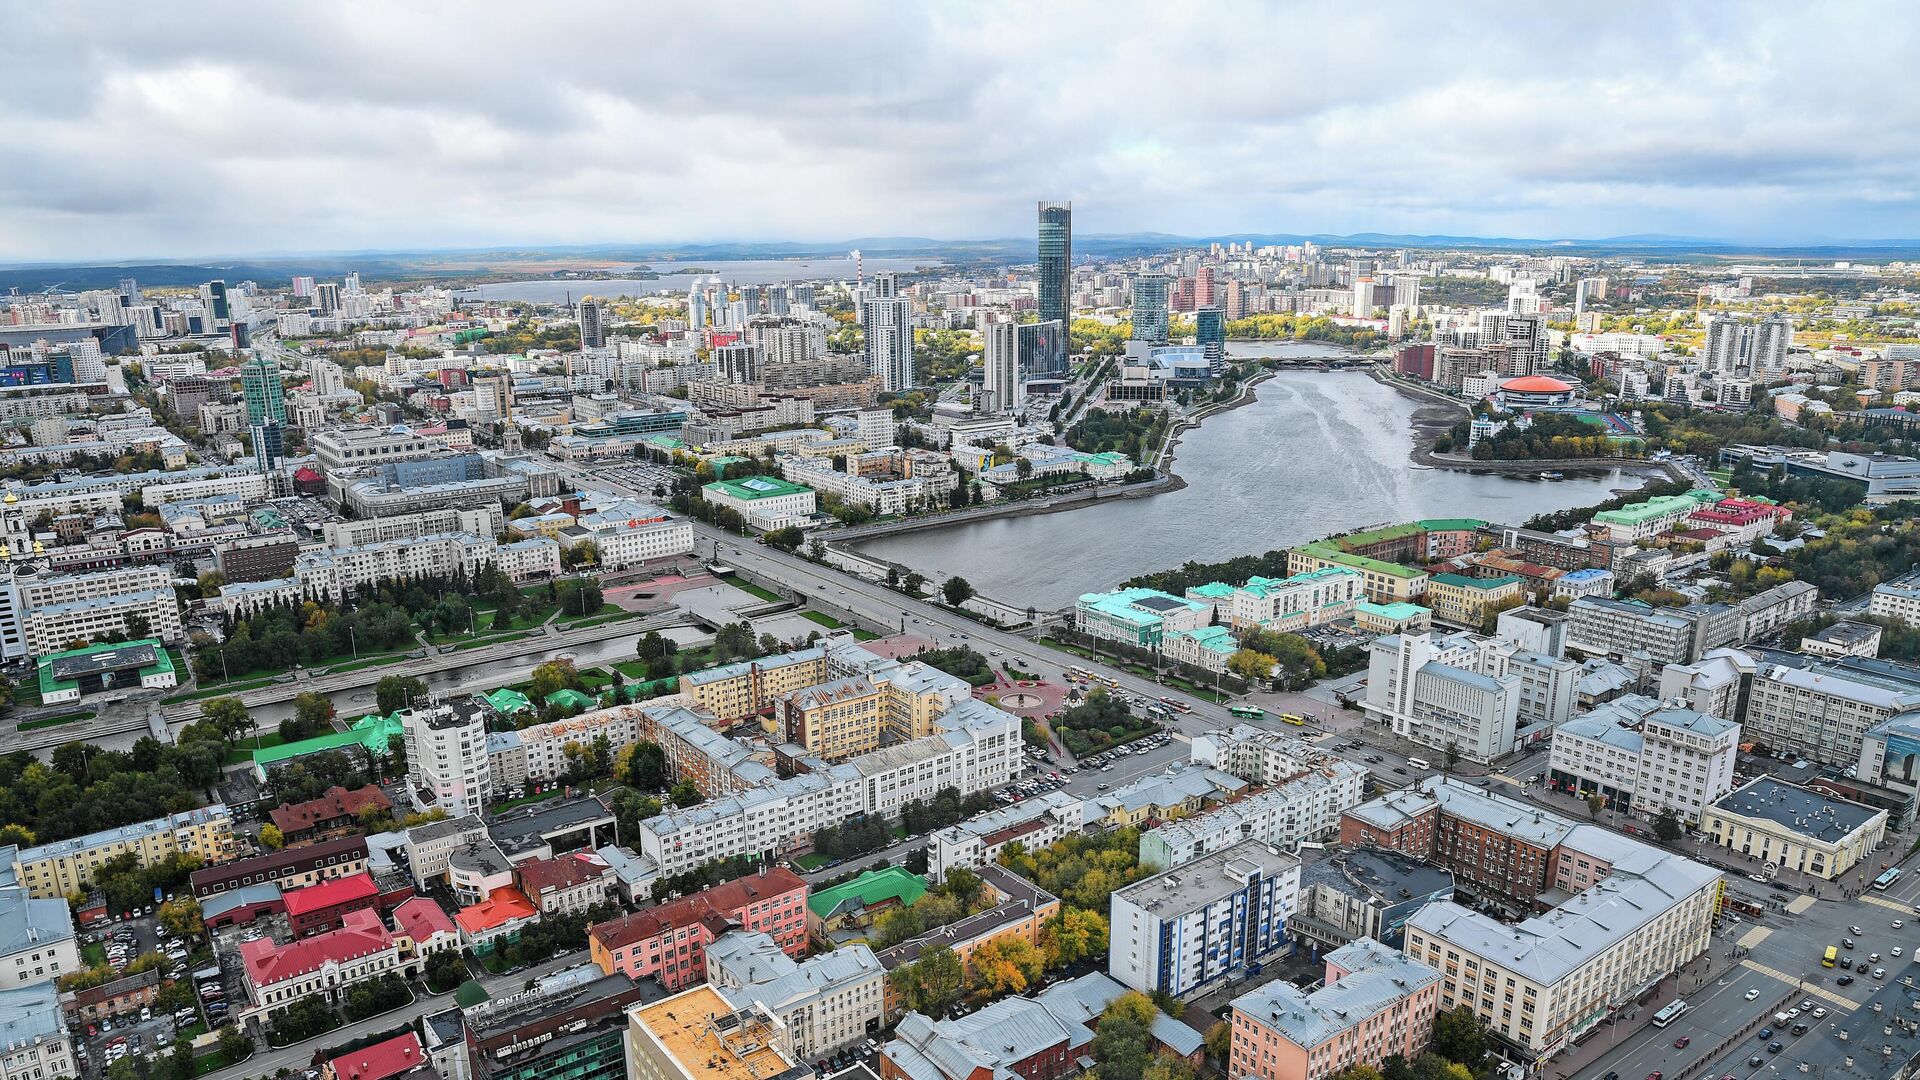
{"type": "Point", "coordinates": [1633, 1016]}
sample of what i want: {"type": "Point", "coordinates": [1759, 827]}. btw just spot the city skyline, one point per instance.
{"type": "Point", "coordinates": [187, 136]}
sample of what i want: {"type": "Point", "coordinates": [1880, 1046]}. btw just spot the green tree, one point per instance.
{"type": "Point", "coordinates": [1072, 935]}
{"type": "Point", "coordinates": [653, 646]}
{"type": "Point", "coordinates": [234, 1045]}
{"type": "Point", "coordinates": [228, 715]}
{"type": "Point", "coordinates": [1460, 1036]}
{"type": "Point", "coordinates": [1250, 665]}
{"type": "Point", "coordinates": [1123, 1041]}
{"type": "Point", "coordinates": [684, 793]}
{"type": "Point", "coordinates": [395, 692]}
{"type": "Point", "coordinates": [933, 982]}
{"type": "Point", "coordinates": [646, 766]}
{"type": "Point", "coordinates": [957, 590]}
{"type": "Point", "coordinates": [1219, 1042]}
{"type": "Point", "coordinates": [1596, 802]}
{"type": "Point", "coordinates": [1667, 827]}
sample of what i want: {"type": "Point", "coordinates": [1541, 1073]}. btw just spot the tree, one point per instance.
{"type": "Point", "coordinates": [1072, 935]}
{"type": "Point", "coordinates": [964, 886]}
{"type": "Point", "coordinates": [1596, 802]}
{"type": "Point", "coordinates": [931, 983]}
{"type": "Point", "coordinates": [181, 917]}
{"type": "Point", "coordinates": [1123, 1042]}
{"type": "Point", "coordinates": [957, 591]}
{"type": "Point", "coordinates": [1358, 1071]}
{"type": "Point", "coordinates": [787, 539]}
{"type": "Point", "coordinates": [313, 710]}
{"type": "Point", "coordinates": [234, 1045]}
{"type": "Point", "coordinates": [395, 692]}
{"type": "Point", "coordinates": [551, 678]}
{"type": "Point", "coordinates": [1006, 965]}
{"type": "Point", "coordinates": [653, 646]}
{"type": "Point", "coordinates": [684, 793]}
{"type": "Point", "coordinates": [1460, 1036]}
{"type": "Point", "coordinates": [271, 838]}
{"type": "Point", "coordinates": [1250, 665]}
{"type": "Point", "coordinates": [1219, 1042]}
{"type": "Point", "coordinates": [1667, 827]}
{"type": "Point", "coordinates": [228, 715]}
{"type": "Point", "coordinates": [1450, 756]}
{"type": "Point", "coordinates": [1023, 468]}
{"type": "Point", "coordinates": [646, 767]}
{"type": "Point", "coordinates": [912, 582]}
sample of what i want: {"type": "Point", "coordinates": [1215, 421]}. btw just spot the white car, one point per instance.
{"type": "Point", "coordinates": [1819, 1014]}
{"type": "Point", "coordinates": [1753, 993]}
{"type": "Point", "coordinates": [1895, 950]}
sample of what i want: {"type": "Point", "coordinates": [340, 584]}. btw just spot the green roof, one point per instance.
{"type": "Point", "coordinates": [1453, 524]}
{"type": "Point", "coordinates": [870, 888]}
{"type": "Point", "coordinates": [1215, 639]}
{"type": "Point", "coordinates": [1396, 611]}
{"type": "Point", "coordinates": [666, 442]}
{"type": "Point", "coordinates": [372, 733]}
{"type": "Point", "coordinates": [1213, 588]}
{"type": "Point", "coordinates": [1659, 506]}
{"type": "Point", "coordinates": [756, 487]}
{"type": "Point", "coordinates": [1374, 536]}
{"type": "Point", "coordinates": [1461, 582]}
{"type": "Point", "coordinates": [77, 658]}
{"type": "Point", "coordinates": [506, 701]}
{"type": "Point", "coordinates": [570, 698]}
{"type": "Point", "coordinates": [1329, 551]}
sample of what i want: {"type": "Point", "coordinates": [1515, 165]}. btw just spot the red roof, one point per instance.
{"type": "Point", "coordinates": [306, 474]}
{"type": "Point", "coordinates": [379, 1061]}
{"type": "Point", "coordinates": [341, 890]}
{"type": "Point", "coordinates": [338, 802]}
{"type": "Point", "coordinates": [711, 904]}
{"type": "Point", "coordinates": [421, 918]}
{"type": "Point", "coordinates": [500, 907]}
{"type": "Point", "coordinates": [1536, 384]}
{"type": "Point", "coordinates": [565, 872]}
{"type": "Point", "coordinates": [269, 962]}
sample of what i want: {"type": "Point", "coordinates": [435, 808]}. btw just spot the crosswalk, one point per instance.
{"type": "Point", "coordinates": [1754, 937]}
{"type": "Point", "coordinates": [1904, 909]}
{"type": "Point", "coordinates": [1821, 992]}
{"type": "Point", "coordinates": [1800, 904]}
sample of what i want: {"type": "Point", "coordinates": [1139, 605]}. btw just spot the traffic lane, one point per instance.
{"type": "Point", "coordinates": [1715, 1013]}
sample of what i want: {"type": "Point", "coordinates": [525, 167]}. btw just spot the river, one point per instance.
{"type": "Point", "coordinates": [1316, 453]}
{"type": "Point", "coordinates": [673, 280]}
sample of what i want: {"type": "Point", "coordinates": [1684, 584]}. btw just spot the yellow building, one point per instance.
{"type": "Point", "coordinates": [1385, 582]}
{"type": "Point", "coordinates": [1464, 601]}
{"type": "Point", "coordinates": [1780, 824]}
{"type": "Point", "coordinates": [734, 692]}
{"type": "Point", "coordinates": [699, 1035]}
{"type": "Point", "coordinates": [836, 720]}
{"type": "Point", "coordinates": [52, 871]}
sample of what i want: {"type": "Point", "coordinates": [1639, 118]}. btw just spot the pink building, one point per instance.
{"type": "Point", "coordinates": [1376, 1003]}
{"type": "Point", "coordinates": [670, 941]}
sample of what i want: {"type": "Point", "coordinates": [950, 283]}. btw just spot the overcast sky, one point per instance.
{"type": "Point", "coordinates": [166, 130]}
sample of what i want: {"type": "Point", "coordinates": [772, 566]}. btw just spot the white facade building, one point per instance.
{"type": "Point", "coordinates": [447, 757]}
{"type": "Point", "coordinates": [1430, 691]}
{"type": "Point", "coordinates": [1192, 928]}
{"type": "Point", "coordinates": [827, 1001]}
{"type": "Point", "coordinates": [1646, 757]}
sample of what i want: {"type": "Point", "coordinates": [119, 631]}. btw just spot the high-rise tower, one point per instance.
{"type": "Point", "coordinates": [1056, 262]}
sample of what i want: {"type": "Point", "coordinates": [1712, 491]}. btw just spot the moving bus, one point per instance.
{"type": "Point", "coordinates": [1832, 955]}
{"type": "Point", "coordinates": [1293, 718]}
{"type": "Point", "coordinates": [1421, 764]}
{"type": "Point", "coordinates": [1176, 705]}
{"type": "Point", "coordinates": [1886, 879]}
{"type": "Point", "coordinates": [1079, 672]}
{"type": "Point", "coordinates": [1669, 1014]}
{"type": "Point", "coordinates": [1248, 712]}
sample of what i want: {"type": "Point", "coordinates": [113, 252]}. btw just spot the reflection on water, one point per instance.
{"type": "Point", "coordinates": [1317, 453]}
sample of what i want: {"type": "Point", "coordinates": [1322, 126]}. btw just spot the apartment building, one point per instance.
{"type": "Point", "coordinates": [1795, 828]}
{"type": "Point", "coordinates": [1544, 982]}
{"type": "Point", "coordinates": [1304, 806]}
{"type": "Point", "coordinates": [130, 601]}
{"type": "Point", "coordinates": [697, 1034]}
{"type": "Point", "coordinates": [1646, 758]}
{"type": "Point", "coordinates": [1499, 849]}
{"type": "Point", "coordinates": [1191, 928]}
{"type": "Point", "coordinates": [827, 1001]}
{"type": "Point", "coordinates": [1711, 685]}
{"type": "Point", "coordinates": [1365, 892]}
{"type": "Point", "coordinates": [1823, 709]}
{"type": "Point", "coordinates": [1465, 601]}
{"type": "Point", "coordinates": [1770, 611]}
{"type": "Point", "coordinates": [1373, 1004]}
{"type": "Point", "coordinates": [1433, 692]}
{"type": "Point", "coordinates": [567, 1025]}
{"type": "Point", "coordinates": [1035, 823]}
{"type": "Point", "coordinates": [486, 520]}
{"type": "Point", "coordinates": [446, 747]}
{"type": "Point", "coordinates": [538, 753]}
{"type": "Point", "coordinates": [1139, 617]}
{"type": "Point", "coordinates": [1898, 599]}
{"type": "Point", "coordinates": [669, 942]}
{"type": "Point", "coordinates": [1621, 628]}
{"type": "Point", "coordinates": [37, 1044]}
{"type": "Point", "coordinates": [37, 942]}
{"type": "Point", "coordinates": [53, 871]}
{"type": "Point", "coordinates": [734, 692]}
{"type": "Point", "coordinates": [847, 717]}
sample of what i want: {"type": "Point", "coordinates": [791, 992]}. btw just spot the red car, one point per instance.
{"type": "Point", "coordinates": [1655, 1075]}
{"type": "Point", "coordinates": [1681, 1042]}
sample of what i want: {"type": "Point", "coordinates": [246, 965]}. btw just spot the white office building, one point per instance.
{"type": "Point", "coordinates": [1305, 806]}
{"type": "Point", "coordinates": [1429, 690]}
{"type": "Point", "coordinates": [1645, 757]}
{"type": "Point", "coordinates": [827, 1001]}
{"type": "Point", "coordinates": [1192, 928]}
{"type": "Point", "coordinates": [447, 757]}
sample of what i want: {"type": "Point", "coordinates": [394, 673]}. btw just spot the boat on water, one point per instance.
{"type": "Point", "coordinates": [1551, 476]}
{"type": "Point", "coordinates": [1420, 467]}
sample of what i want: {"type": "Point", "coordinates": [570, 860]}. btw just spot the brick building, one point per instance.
{"type": "Point", "coordinates": [335, 812]}
{"type": "Point", "coordinates": [670, 941]}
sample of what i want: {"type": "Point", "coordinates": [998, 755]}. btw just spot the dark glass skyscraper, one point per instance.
{"type": "Point", "coordinates": [1210, 333]}
{"type": "Point", "coordinates": [1056, 262]}
{"type": "Point", "coordinates": [1150, 308]}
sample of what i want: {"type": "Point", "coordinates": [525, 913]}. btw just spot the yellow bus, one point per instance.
{"type": "Point", "coordinates": [1294, 718]}
{"type": "Point", "coordinates": [1832, 955]}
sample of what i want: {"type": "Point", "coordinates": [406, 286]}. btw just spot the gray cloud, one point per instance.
{"type": "Point", "coordinates": [224, 128]}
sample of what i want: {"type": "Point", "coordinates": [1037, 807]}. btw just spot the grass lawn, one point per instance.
{"type": "Point", "coordinates": [56, 721]}
{"type": "Point", "coordinates": [864, 635]}
{"type": "Point", "coordinates": [93, 954]}
{"type": "Point", "coordinates": [27, 694]}
{"type": "Point", "coordinates": [810, 862]}
{"type": "Point", "coordinates": [823, 619]}
{"type": "Point", "coordinates": [632, 669]}
{"type": "Point", "coordinates": [749, 587]}
{"type": "Point", "coordinates": [190, 1032]}
{"type": "Point", "coordinates": [243, 752]}
{"type": "Point", "coordinates": [541, 797]}
{"type": "Point", "coordinates": [220, 691]}
{"type": "Point", "coordinates": [614, 615]}
{"type": "Point", "coordinates": [368, 662]}
{"type": "Point", "coordinates": [481, 643]}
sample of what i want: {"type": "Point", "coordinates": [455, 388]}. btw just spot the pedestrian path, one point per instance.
{"type": "Point", "coordinates": [1800, 904]}
{"type": "Point", "coordinates": [1754, 937]}
{"type": "Point", "coordinates": [1832, 998]}
{"type": "Point", "coordinates": [1904, 909]}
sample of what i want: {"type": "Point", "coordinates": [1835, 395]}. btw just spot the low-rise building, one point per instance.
{"type": "Point", "coordinates": [697, 1034]}
{"type": "Point", "coordinates": [1019, 909]}
{"type": "Point", "coordinates": [319, 908]}
{"type": "Point", "coordinates": [56, 870]}
{"type": "Point", "coordinates": [37, 942]}
{"type": "Point", "coordinates": [1140, 617]}
{"type": "Point", "coordinates": [826, 1001]}
{"type": "Point", "coordinates": [326, 965]}
{"type": "Point", "coordinates": [566, 884]}
{"type": "Point", "coordinates": [1793, 828]}
{"type": "Point", "coordinates": [766, 503]}
{"type": "Point", "coordinates": [669, 942]}
{"type": "Point", "coordinates": [1304, 806]}
{"type": "Point", "coordinates": [34, 1034]}
{"type": "Point", "coordinates": [1846, 638]}
{"type": "Point", "coordinates": [1035, 823]}
{"type": "Point", "coordinates": [572, 1023]}
{"type": "Point", "coordinates": [1645, 758]}
{"type": "Point", "coordinates": [1191, 928]}
{"type": "Point", "coordinates": [1365, 892]}
{"type": "Point", "coordinates": [1373, 1004]}
{"type": "Point", "coordinates": [291, 868]}
{"type": "Point", "coordinates": [1465, 601]}
{"type": "Point", "coordinates": [842, 913]}
{"type": "Point", "coordinates": [336, 811]}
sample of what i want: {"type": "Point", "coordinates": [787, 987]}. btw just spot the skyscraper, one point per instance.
{"type": "Point", "coordinates": [1725, 350]}
{"type": "Point", "coordinates": [1203, 287]}
{"type": "Point", "coordinates": [1772, 338]}
{"type": "Point", "coordinates": [1210, 332]}
{"type": "Point", "coordinates": [696, 307]}
{"type": "Point", "coordinates": [737, 363]}
{"type": "Point", "coordinates": [327, 295]}
{"type": "Point", "coordinates": [493, 396]}
{"type": "Point", "coordinates": [1150, 308]}
{"type": "Point", "coordinates": [593, 334]}
{"type": "Point", "coordinates": [213, 296]}
{"type": "Point", "coordinates": [265, 395]}
{"type": "Point", "coordinates": [1043, 350]}
{"type": "Point", "coordinates": [1056, 262]}
{"type": "Point", "coordinates": [887, 318]}
{"type": "Point", "coordinates": [1003, 367]}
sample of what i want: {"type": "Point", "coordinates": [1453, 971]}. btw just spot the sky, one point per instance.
{"type": "Point", "coordinates": [193, 130]}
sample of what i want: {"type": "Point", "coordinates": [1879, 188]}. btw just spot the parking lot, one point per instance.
{"type": "Point", "coordinates": [142, 1030]}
